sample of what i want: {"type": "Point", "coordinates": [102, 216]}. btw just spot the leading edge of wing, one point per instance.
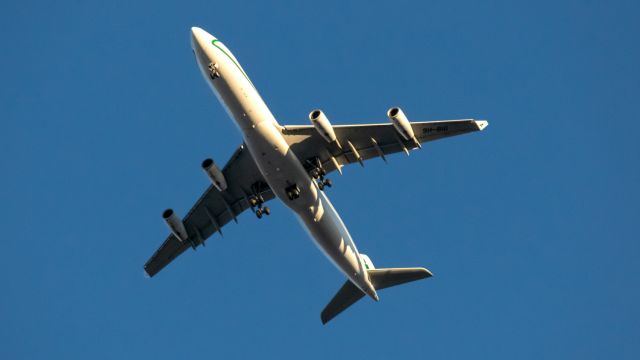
{"type": "Point", "coordinates": [482, 124]}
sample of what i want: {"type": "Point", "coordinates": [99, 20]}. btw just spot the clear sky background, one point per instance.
{"type": "Point", "coordinates": [530, 227]}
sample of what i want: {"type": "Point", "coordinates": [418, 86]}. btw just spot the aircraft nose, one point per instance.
{"type": "Point", "coordinates": [200, 37]}
{"type": "Point", "coordinates": [196, 32]}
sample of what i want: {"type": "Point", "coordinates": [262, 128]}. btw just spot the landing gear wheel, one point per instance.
{"type": "Point", "coordinates": [321, 185]}
{"type": "Point", "coordinates": [266, 210]}
{"type": "Point", "coordinates": [328, 182]}
{"type": "Point", "coordinates": [213, 71]}
{"type": "Point", "coordinates": [259, 213]}
{"type": "Point", "coordinates": [293, 192]}
{"type": "Point", "coordinates": [256, 200]}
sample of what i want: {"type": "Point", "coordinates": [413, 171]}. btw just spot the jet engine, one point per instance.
{"type": "Point", "coordinates": [322, 125]}
{"type": "Point", "coordinates": [175, 225]}
{"type": "Point", "coordinates": [214, 174]}
{"type": "Point", "coordinates": [400, 122]}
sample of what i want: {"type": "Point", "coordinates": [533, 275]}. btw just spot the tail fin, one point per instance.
{"type": "Point", "coordinates": [380, 278]}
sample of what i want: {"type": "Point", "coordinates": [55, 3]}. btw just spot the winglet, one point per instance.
{"type": "Point", "coordinates": [482, 124]}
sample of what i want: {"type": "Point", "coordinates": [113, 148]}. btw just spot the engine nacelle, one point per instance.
{"type": "Point", "coordinates": [400, 122]}
{"type": "Point", "coordinates": [175, 225]}
{"type": "Point", "coordinates": [214, 174]}
{"type": "Point", "coordinates": [322, 125]}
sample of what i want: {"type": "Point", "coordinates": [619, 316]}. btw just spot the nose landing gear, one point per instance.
{"type": "Point", "coordinates": [293, 192]}
{"type": "Point", "coordinates": [213, 71]}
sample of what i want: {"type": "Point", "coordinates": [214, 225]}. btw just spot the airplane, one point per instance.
{"type": "Point", "coordinates": [290, 163]}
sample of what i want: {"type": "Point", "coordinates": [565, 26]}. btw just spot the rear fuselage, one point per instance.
{"type": "Point", "coordinates": [276, 161]}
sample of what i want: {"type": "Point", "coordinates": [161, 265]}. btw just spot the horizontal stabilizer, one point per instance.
{"type": "Point", "coordinates": [346, 296]}
{"type": "Point", "coordinates": [384, 278]}
{"type": "Point", "coordinates": [349, 294]}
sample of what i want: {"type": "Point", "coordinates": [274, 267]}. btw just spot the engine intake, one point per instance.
{"type": "Point", "coordinates": [402, 125]}
{"type": "Point", "coordinates": [323, 126]}
{"type": "Point", "coordinates": [175, 224]}
{"type": "Point", "coordinates": [400, 122]}
{"type": "Point", "coordinates": [214, 174]}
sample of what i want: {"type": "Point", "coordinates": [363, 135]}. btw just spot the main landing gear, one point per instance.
{"type": "Point", "coordinates": [257, 201]}
{"type": "Point", "coordinates": [324, 182]}
{"type": "Point", "coordinates": [318, 174]}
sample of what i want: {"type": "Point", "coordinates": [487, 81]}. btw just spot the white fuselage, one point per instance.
{"type": "Point", "coordinates": [274, 158]}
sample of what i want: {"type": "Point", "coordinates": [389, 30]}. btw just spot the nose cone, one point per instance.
{"type": "Point", "coordinates": [200, 37]}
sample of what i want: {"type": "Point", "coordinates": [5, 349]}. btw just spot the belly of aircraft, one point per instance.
{"type": "Point", "coordinates": [281, 169]}
{"type": "Point", "coordinates": [332, 237]}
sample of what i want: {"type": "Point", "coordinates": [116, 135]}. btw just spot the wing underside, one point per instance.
{"type": "Point", "coordinates": [362, 142]}
{"type": "Point", "coordinates": [215, 209]}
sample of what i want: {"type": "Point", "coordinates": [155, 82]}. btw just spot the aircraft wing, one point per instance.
{"type": "Point", "coordinates": [215, 209]}
{"type": "Point", "coordinates": [366, 141]}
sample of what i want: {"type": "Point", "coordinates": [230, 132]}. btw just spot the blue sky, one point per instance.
{"type": "Point", "coordinates": [528, 227]}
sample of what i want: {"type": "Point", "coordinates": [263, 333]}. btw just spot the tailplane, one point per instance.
{"type": "Point", "coordinates": [380, 279]}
